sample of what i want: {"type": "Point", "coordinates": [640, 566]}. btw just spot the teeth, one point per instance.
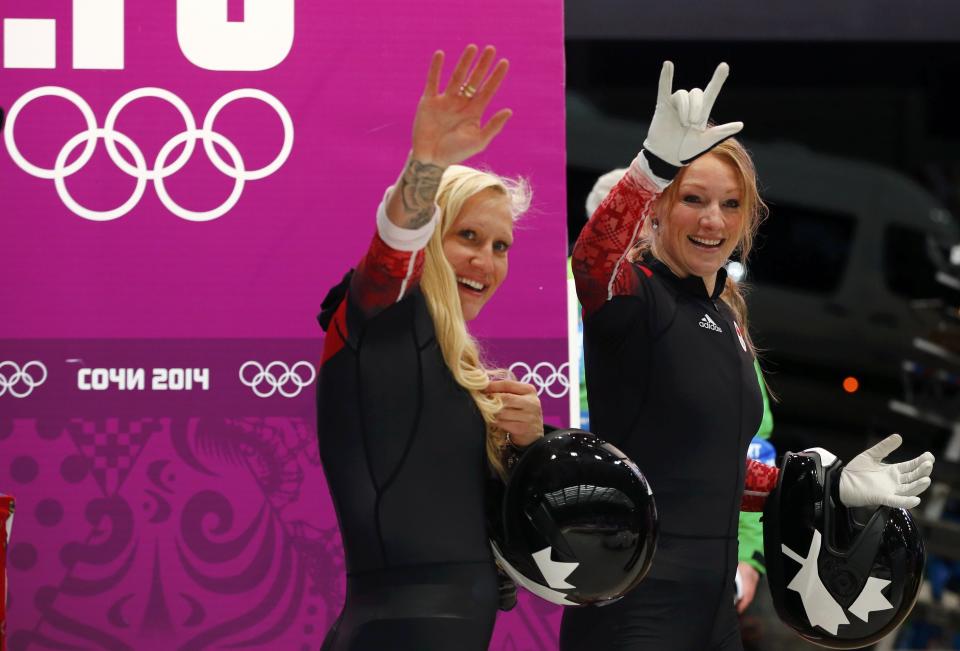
{"type": "Point", "coordinates": [705, 242]}
{"type": "Point", "coordinates": [472, 284]}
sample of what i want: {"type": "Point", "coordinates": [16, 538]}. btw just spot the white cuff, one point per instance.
{"type": "Point", "coordinates": [404, 239]}
{"type": "Point", "coordinates": [640, 172]}
{"type": "Point", "coordinates": [827, 458]}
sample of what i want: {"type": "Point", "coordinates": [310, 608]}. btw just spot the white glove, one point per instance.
{"type": "Point", "coordinates": [867, 482]}
{"type": "Point", "coordinates": [678, 132]}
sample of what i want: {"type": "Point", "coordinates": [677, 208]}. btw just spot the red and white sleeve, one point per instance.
{"type": "Point", "coordinates": [393, 264]}
{"type": "Point", "coordinates": [761, 480]}
{"type": "Point", "coordinates": [599, 256]}
{"type": "Point", "coordinates": [388, 272]}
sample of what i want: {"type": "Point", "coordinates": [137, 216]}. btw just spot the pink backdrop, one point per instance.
{"type": "Point", "coordinates": [350, 84]}
{"type": "Point", "coordinates": [197, 517]}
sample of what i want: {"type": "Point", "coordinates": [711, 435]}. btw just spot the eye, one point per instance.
{"type": "Point", "coordinates": [501, 247]}
{"type": "Point", "coordinates": [691, 198]}
{"type": "Point", "coordinates": [468, 234]}
{"type": "Point", "coordinates": [731, 203]}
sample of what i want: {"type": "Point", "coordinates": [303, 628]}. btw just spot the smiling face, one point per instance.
{"type": "Point", "coordinates": [476, 247]}
{"type": "Point", "coordinates": [706, 221]}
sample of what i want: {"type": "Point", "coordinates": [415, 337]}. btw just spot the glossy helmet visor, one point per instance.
{"type": "Point", "coordinates": [842, 578]}
{"type": "Point", "coordinates": [576, 523]}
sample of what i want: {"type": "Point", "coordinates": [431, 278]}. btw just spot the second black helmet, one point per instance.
{"type": "Point", "coordinates": [841, 578]}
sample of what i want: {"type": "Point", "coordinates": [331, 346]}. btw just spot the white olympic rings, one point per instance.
{"type": "Point", "coordinates": [21, 376]}
{"type": "Point", "coordinates": [278, 381]}
{"type": "Point", "coordinates": [544, 376]}
{"type": "Point", "coordinates": [140, 171]}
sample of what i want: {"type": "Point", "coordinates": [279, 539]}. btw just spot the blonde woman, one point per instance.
{"type": "Point", "coordinates": [410, 423]}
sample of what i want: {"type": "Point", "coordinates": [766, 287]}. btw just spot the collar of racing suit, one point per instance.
{"type": "Point", "coordinates": [692, 285]}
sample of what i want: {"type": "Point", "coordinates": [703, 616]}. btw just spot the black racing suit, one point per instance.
{"type": "Point", "coordinates": [403, 449]}
{"type": "Point", "coordinates": [671, 382]}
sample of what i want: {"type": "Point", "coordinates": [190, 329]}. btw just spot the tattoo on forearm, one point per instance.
{"type": "Point", "coordinates": [418, 189]}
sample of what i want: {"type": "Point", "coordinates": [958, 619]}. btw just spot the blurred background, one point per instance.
{"type": "Point", "coordinates": [851, 115]}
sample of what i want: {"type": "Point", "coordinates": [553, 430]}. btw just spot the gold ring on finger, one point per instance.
{"type": "Point", "coordinates": [468, 91]}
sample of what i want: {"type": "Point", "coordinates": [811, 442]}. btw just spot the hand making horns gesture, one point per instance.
{"type": "Point", "coordinates": [678, 132]}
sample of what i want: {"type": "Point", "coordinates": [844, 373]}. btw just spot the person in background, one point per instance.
{"type": "Point", "coordinates": [751, 565]}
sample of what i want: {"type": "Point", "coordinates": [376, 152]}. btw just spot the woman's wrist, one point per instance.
{"type": "Point", "coordinates": [427, 158]}
{"type": "Point", "coordinates": [513, 444]}
{"type": "Point", "coordinates": [413, 201]}
{"type": "Point", "coordinates": [521, 444]}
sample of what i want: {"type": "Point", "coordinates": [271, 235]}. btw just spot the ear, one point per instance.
{"type": "Point", "coordinates": [660, 207]}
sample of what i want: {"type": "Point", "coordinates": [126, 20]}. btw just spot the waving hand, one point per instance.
{"type": "Point", "coordinates": [449, 127]}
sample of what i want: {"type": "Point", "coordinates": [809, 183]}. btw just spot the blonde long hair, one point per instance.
{"type": "Point", "coordinates": [439, 284]}
{"type": "Point", "coordinates": [754, 212]}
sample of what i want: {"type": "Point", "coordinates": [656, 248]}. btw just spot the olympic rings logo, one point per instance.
{"type": "Point", "coordinates": [161, 167]}
{"type": "Point", "coordinates": [279, 377]}
{"type": "Point", "coordinates": [544, 376]}
{"type": "Point", "coordinates": [20, 382]}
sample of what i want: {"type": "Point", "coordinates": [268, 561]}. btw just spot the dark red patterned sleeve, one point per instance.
{"type": "Point", "coordinates": [761, 480]}
{"type": "Point", "coordinates": [384, 277]}
{"type": "Point", "coordinates": [599, 256]}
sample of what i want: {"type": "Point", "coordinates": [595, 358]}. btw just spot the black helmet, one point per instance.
{"type": "Point", "coordinates": [840, 577]}
{"type": "Point", "coordinates": [576, 523]}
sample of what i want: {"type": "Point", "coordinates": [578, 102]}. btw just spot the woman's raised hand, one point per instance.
{"type": "Point", "coordinates": [448, 127]}
{"type": "Point", "coordinates": [678, 132]}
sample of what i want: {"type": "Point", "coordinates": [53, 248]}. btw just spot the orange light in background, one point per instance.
{"type": "Point", "coordinates": [850, 384]}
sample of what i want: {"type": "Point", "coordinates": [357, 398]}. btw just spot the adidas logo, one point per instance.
{"type": "Point", "coordinates": [710, 324]}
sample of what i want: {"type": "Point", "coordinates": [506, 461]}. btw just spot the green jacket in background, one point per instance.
{"type": "Point", "coordinates": [750, 533]}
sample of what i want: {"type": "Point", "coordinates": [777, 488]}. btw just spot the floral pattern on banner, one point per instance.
{"type": "Point", "coordinates": [183, 534]}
